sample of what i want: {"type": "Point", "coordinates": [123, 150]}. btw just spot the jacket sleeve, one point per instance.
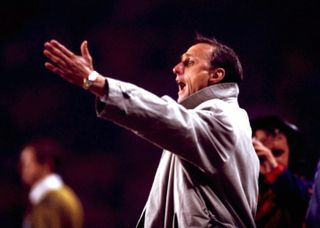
{"type": "Point", "coordinates": [204, 137]}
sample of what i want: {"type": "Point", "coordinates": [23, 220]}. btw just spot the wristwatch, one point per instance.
{"type": "Point", "coordinates": [88, 81]}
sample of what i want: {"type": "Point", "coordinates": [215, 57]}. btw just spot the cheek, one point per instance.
{"type": "Point", "coordinates": [29, 174]}
{"type": "Point", "coordinates": [196, 83]}
{"type": "Point", "coordinates": [190, 85]}
{"type": "Point", "coordinates": [283, 159]}
{"type": "Point", "coordinates": [26, 173]}
{"type": "Point", "coordinates": [200, 82]}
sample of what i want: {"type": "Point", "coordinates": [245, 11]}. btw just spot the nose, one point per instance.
{"type": "Point", "coordinates": [178, 69]}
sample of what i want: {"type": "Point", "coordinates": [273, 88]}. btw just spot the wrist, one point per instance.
{"type": "Point", "coordinates": [95, 83]}
{"type": "Point", "coordinates": [90, 80]}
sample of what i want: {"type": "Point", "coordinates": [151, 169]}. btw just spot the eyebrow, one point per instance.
{"type": "Point", "coordinates": [185, 55]}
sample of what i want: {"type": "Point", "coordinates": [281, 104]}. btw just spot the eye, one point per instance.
{"type": "Point", "coordinates": [277, 153]}
{"type": "Point", "coordinates": [188, 62]}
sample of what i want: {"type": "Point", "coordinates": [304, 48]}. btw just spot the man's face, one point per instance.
{"type": "Point", "coordinates": [193, 72]}
{"type": "Point", "coordinates": [31, 170]}
{"type": "Point", "coordinates": [277, 143]}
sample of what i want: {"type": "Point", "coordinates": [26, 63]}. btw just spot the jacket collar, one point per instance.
{"type": "Point", "coordinates": [221, 91]}
{"type": "Point", "coordinates": [40, 189]}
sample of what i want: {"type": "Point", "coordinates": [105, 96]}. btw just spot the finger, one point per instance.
{"type": "Point", "coordinates": [85, 51]}
{"type": "Point", "coordinates": [254, 143]}
{"type": "Point", "coordinates": [258, 145]}
{"type": "Point", "coordinates": [53, 68]}
{"type": "Point", "coordinates": [55, 59]}
{"type": "Point", "coordinates": [55, 54]}
{"type": "Point", "coordinates": [62, 48]}
{"type": "Point", "coordinates": [64, 74]}
{"type": "Point", "coordinates": [260, 152]}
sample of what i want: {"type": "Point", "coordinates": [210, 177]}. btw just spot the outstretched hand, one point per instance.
{"type": "Point", "coordinates": [74, 68]}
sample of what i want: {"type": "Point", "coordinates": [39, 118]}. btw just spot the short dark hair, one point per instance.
{"type": "Point", "coordinates": [224, 57]}
{"type": "Point", "coordinates": [47, 151]}
{"type": "Point", "coordinates": [272, 122]}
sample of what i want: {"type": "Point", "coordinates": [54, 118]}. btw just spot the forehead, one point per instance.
{"type": "Point", "coordinates": [27, 154]}
{"type": "Point", "coordinates": [261, 134]}
{"type": "Point", "coordinates": [199, 50]}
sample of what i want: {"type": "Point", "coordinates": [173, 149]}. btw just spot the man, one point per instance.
{"type": "Point", "coordinates": [53, 204]}
{"type": "Point", "coordinates": [208, 172]}
{"type": "Point", "coordinates": [284, 193]}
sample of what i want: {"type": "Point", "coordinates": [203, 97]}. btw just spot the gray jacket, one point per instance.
{"type": "Point", "coordinates": [208, 172]}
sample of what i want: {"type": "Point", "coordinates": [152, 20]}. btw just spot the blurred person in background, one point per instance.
{"type": "Point", "coordinates": [313, 212]}
{"type": "Point", "coordinates": [208, 172]}
{"type": "Point", "coordinates": [284, 191]}
{"type": "Point", "coordinates": [52, 203]}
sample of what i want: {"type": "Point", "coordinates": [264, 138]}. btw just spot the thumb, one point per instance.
{"type": "Point", "coordinates": [85, 51]}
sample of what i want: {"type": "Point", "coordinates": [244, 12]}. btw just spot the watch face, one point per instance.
{"type": "Point", "coordinates": [86, 83]}
{"type": "Point", "coordinates": [93, 75]}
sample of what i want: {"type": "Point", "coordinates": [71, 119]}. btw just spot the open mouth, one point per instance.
{"type": "Point", "coordinates": [181, 85]}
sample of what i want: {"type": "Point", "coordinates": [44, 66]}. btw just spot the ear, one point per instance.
{"type": "Point", "coordinates": [216, 75]}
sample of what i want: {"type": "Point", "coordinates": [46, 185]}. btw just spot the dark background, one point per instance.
{"type": "Point", "coordinates": [140, 41]}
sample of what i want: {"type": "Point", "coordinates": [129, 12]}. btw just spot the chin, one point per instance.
{"type": "Point", "coordinates": [180, 99]}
